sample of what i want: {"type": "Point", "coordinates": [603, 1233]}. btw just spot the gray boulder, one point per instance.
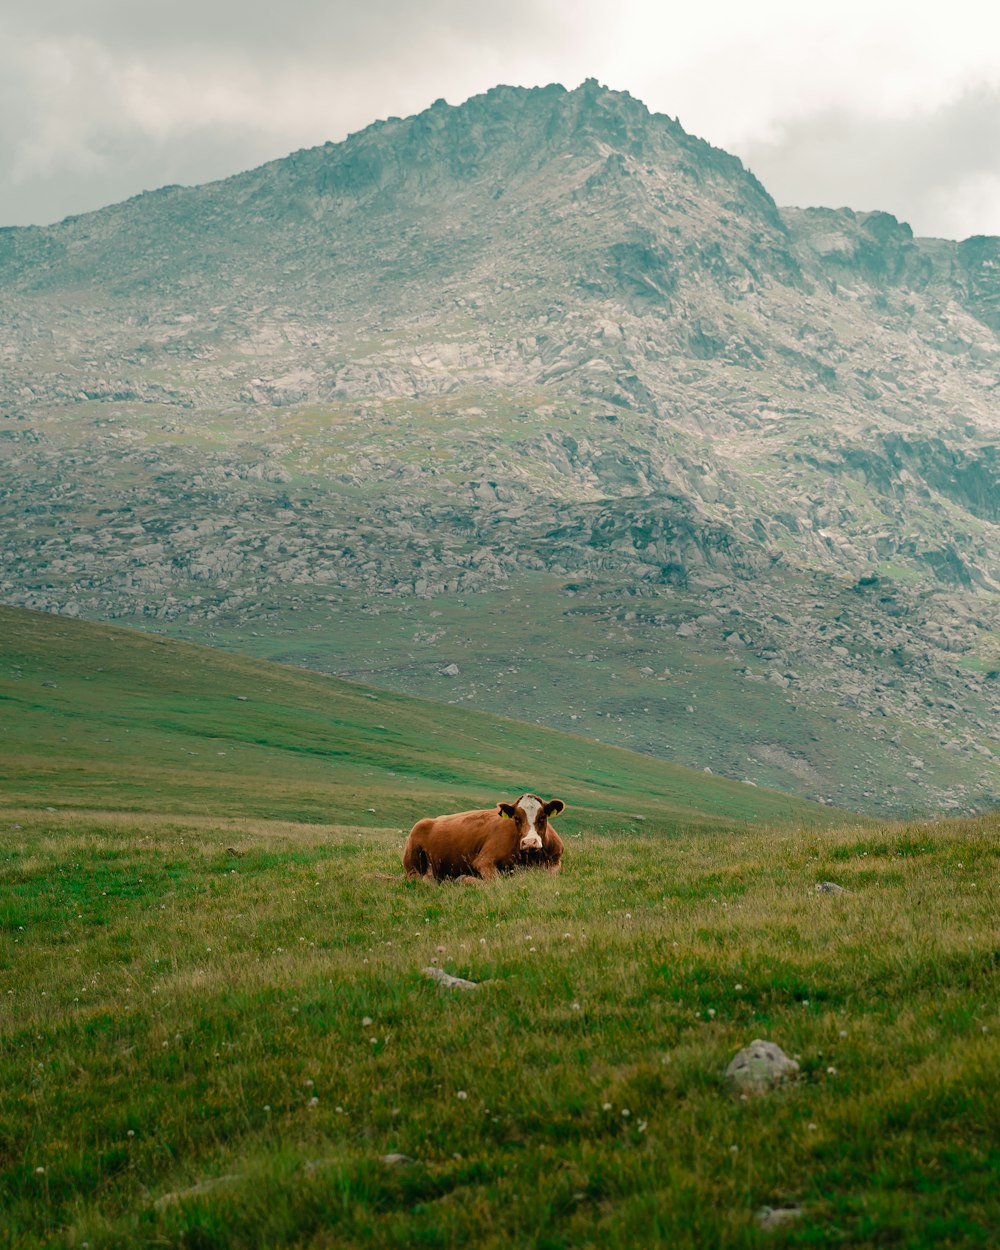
{"type": "Point", "coordinates": [770, 1218]}
{"type": "Point", "coordinates": [448, 981]}
{"type": "Point", "coordinates": [759, 1066]}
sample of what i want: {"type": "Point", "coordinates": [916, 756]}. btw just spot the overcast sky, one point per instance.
{"type": "Point", "coordinates": [869, 104]}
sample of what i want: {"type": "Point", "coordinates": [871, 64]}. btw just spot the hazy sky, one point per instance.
{"type": "Point", "coordinates": [870, 104]}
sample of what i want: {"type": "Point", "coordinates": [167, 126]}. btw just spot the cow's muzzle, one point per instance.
{"type": "Point", "coordinates": [531, 842]}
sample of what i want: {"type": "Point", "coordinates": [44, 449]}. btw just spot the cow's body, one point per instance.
{"type": "Point", "coordinates": [481, 844]}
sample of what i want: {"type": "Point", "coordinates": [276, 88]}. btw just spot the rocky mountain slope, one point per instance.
{"type": "Point", "coordinates": [542, 358]}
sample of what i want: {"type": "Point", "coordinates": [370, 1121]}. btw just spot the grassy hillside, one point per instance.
{"type": "Point", "coordinates": [201, 1048]}
{"type": "Point", "coordinates": [714, 694]}
{"type": "Point", "coordinates": [102, 718]}
{"type": "Point", "coordinates": [206, 1051]}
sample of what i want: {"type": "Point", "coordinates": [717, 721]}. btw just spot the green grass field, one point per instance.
{"type": "Point", "coordinates": [207, 1049]}
{"type": "Point", "coordinates": [186, 1059]}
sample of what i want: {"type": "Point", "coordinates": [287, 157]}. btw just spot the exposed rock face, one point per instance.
{"type": "Point", "coordinates": [544, 334]}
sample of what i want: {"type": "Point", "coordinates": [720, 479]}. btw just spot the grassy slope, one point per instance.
{"type": "Point", "coordinates": [168, 1012]}
{"type": "Point", "coordinates": [96, 717]}
{"type": "Point", "coordinates": [621, 673]}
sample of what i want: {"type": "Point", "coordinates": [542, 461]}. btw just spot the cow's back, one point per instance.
{"type": "Point", "coordinates": [448, 846]}
{"type": "Point", "coordinates": [456, 841]}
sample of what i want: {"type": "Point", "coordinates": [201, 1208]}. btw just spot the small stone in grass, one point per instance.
{"type": "Point", "coordinates": [395, 1160]}
{"type": "Point", "coordinates": [770, 1218]}
{"type": "Point", "coordinates": [194, 1191]}
{"type": "Point", "coordinates": [448, 981]}
{"type": "Point", "coordinates": [760, 1065]}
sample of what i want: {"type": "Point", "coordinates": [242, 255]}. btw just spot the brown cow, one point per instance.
{"type": "Point", "coordinates": [478, 845]}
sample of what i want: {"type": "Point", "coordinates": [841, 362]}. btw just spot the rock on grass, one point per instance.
{"type": "Point", "coordinates": [759, 1066]}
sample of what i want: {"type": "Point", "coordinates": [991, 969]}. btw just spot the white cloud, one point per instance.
{"type": "Point", "coordinates": [113, 88]}
{"type": "Point", "coordinates": [737, 70]}
{"type": "Point", "coordinates": [102, 98]}
{"type": "Point", "coordinates": [971, 206]}
{"type": "Point", "coordinates": [938, 170]}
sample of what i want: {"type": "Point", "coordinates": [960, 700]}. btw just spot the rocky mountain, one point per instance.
{"type": "Point", "coordinates": [543, 404]}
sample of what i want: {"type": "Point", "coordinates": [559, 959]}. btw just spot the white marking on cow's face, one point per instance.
{"type": "Point", "coordinates": [531, 839]}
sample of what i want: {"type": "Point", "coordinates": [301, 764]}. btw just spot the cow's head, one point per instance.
{"type": "Point", "coordinates": [531, 814]}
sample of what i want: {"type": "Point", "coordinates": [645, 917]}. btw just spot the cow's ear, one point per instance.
{"type": "Point", "coordinates": [506, 809]}
{"type": "Point", "coordinates": [554, 806]}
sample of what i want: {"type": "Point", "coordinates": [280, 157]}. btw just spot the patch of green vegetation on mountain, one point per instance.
{"type": "Point", "coordinates": [102, 718]}
{"type": "Point", "coordinates": [677, 675]}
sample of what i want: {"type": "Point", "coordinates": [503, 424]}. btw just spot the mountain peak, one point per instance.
{"type": "Point", "coordinates": [541, 333]}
